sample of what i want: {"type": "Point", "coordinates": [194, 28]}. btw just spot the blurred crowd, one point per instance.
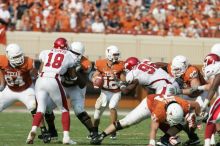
{"type": "Point", "coordinates": [187, 18]}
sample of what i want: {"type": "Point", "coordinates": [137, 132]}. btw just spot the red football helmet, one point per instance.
{"type": "Point", "coordinates": [60, 43]}
{"type": "Point", "coordinates": [130, 63]}
{"type": "Point", "coordinates": [211, 59]}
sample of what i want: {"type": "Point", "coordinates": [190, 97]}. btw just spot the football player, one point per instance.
{"type": "Point", "coordinates": [76, 90]}
{"type": "Point", "coordinates": [17, 73]}
{"type": "Point", "coordinates": [189, 78]}
{"type": "Point", "coordinates": [54, 63]}
{"type": "Point", "coordinates": [16, 70]}
{"type": "Point", "coordinates": [111, 70]}
{"type": "Point", "coordinates": [147, 74]}
{"type": "Point", "coordinates": [211, 71]}
{"type": "Point", "coordinates": [162, 109]}
{"type": "Point", "coordinates": [213, 122]}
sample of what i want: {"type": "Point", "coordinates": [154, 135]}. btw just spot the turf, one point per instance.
{"type": "Point", "coordinates": [14, 128]}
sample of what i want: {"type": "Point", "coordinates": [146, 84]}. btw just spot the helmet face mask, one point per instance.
{"type": "Point", "coordinates": [179, 66]}
{"type": "Point", "coordinates": [15, 55]}
{"type": "Point", "coordinates": [16, 60]}
{"type": "Point", "coordinates": [112, 54]}
{"type": "Point", "coordinates": [174, 114]}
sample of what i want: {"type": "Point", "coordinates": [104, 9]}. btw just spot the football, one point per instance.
{"type": "Point", "coordinates": [98, 82]}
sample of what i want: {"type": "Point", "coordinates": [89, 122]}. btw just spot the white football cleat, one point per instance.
{"type": "Point", "coordinates": [30, 138]}
{"type": "Point", "coordinates": [67, 140]}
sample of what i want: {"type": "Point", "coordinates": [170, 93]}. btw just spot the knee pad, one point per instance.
{"type": "Point", "coordinates": [83, 117]}
{"type": "Point", "coordinates": [117, 125]}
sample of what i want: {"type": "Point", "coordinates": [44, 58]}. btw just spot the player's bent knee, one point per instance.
{"type": "Point", "coordinates": [32, 106]}
{"type": "Point", "coordinates": [98, 112]}
{"type": "Point", "coordinates": [112, 106]}
{"type": "Point", "coordinates": [117, 125]}
{"type": "Point", "coordinates": [83, 117]}
{"type": "Point", "coordinates": [125, 123]}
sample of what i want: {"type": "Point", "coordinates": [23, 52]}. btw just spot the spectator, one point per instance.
{"type": "Point", "coordinates": [98, 26]}
{"type": "Point", "coordinates": [4, 14]}
{"type": "Point", "coordinates": [150, 17]}
{"type": "Point", "coordinates": [20, 10]}
{"type": "Point", "coordinates": [73, 20]}
{"type": "Point", "coordinates": [113, 25]}
{"type": "Point", "coordinates": [25, 22]}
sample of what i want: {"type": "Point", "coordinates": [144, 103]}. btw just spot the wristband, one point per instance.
{"type": "Point", "coordinates": [201, 87]}
{"type": "Point", "coordinates": [152, 142]}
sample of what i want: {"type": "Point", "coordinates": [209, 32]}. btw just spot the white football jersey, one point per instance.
{"type": "Point", "coordinates": [150, 76]}
{"type": "Point", "coordinates": [211, 70]}
{"type": "Point", "coordinates": [57, 61]}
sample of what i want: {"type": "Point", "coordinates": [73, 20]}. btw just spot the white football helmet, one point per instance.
{"type": "Point", "coordinates": [15, 55]}
{"type": "Point", "coordinates": [174, 113]}
{"type": "Point", "coordinates": [216, 49]}
{"type": "Point", "coordinates": [179, 65]}
{"type": "Point", "coordinates": [77, 48]}
{"type": "Point", "coordinates": [112, 53]}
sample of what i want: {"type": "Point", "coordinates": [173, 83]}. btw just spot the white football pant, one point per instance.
{"type": "Point", "coordinates": [105, 99]}
{"type": "Point", "coordinates": [77, 98]}
{"type": "Point", "coordinates": [27, 97]}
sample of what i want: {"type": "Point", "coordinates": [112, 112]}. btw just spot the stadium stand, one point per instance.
{"type": "Point", "coordinates": [187, 18]}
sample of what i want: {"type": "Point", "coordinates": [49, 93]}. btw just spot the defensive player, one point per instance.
{"type": "Point", "coordinates": [76, 90]}
{"type": "Point", "coordinates": [147, 74]}
{"type": "Point", "coordinates": [189, 78]}
{"type": "Point", "coordinates": [54, 63]}
{"type": "Point", "coordinates": [111, 70]}
{"type": "Point", "coordinates": [211, 72]}
{"type": "Point", "coordinates": [170, 110]}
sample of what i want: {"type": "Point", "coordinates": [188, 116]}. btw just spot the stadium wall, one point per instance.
{"type": "Point", "coordinates": [155, 48]}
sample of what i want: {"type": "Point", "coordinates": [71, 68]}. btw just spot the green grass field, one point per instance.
{"type": "Point", "coordinates": [14, 128]}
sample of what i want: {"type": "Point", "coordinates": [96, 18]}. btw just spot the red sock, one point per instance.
{"type": "Point", "coordinates": [66, 121]}
{"type": "Point", "coordinates": [209, 130]}
{"type": "Point", "coordinates": [37, 119]}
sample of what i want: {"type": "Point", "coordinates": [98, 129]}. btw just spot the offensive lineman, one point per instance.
{"type": "Point", "coordinates": [76, 90]}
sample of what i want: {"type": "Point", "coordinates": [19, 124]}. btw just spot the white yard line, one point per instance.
{"type": "Point", "coordinates": [90, 111]}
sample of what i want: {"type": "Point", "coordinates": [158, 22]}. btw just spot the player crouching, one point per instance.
{"type": "Point", "coordinates": [167, 113]}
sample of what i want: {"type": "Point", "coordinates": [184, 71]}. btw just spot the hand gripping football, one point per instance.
{"type": "Point", "coordinates": [98, 82]}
